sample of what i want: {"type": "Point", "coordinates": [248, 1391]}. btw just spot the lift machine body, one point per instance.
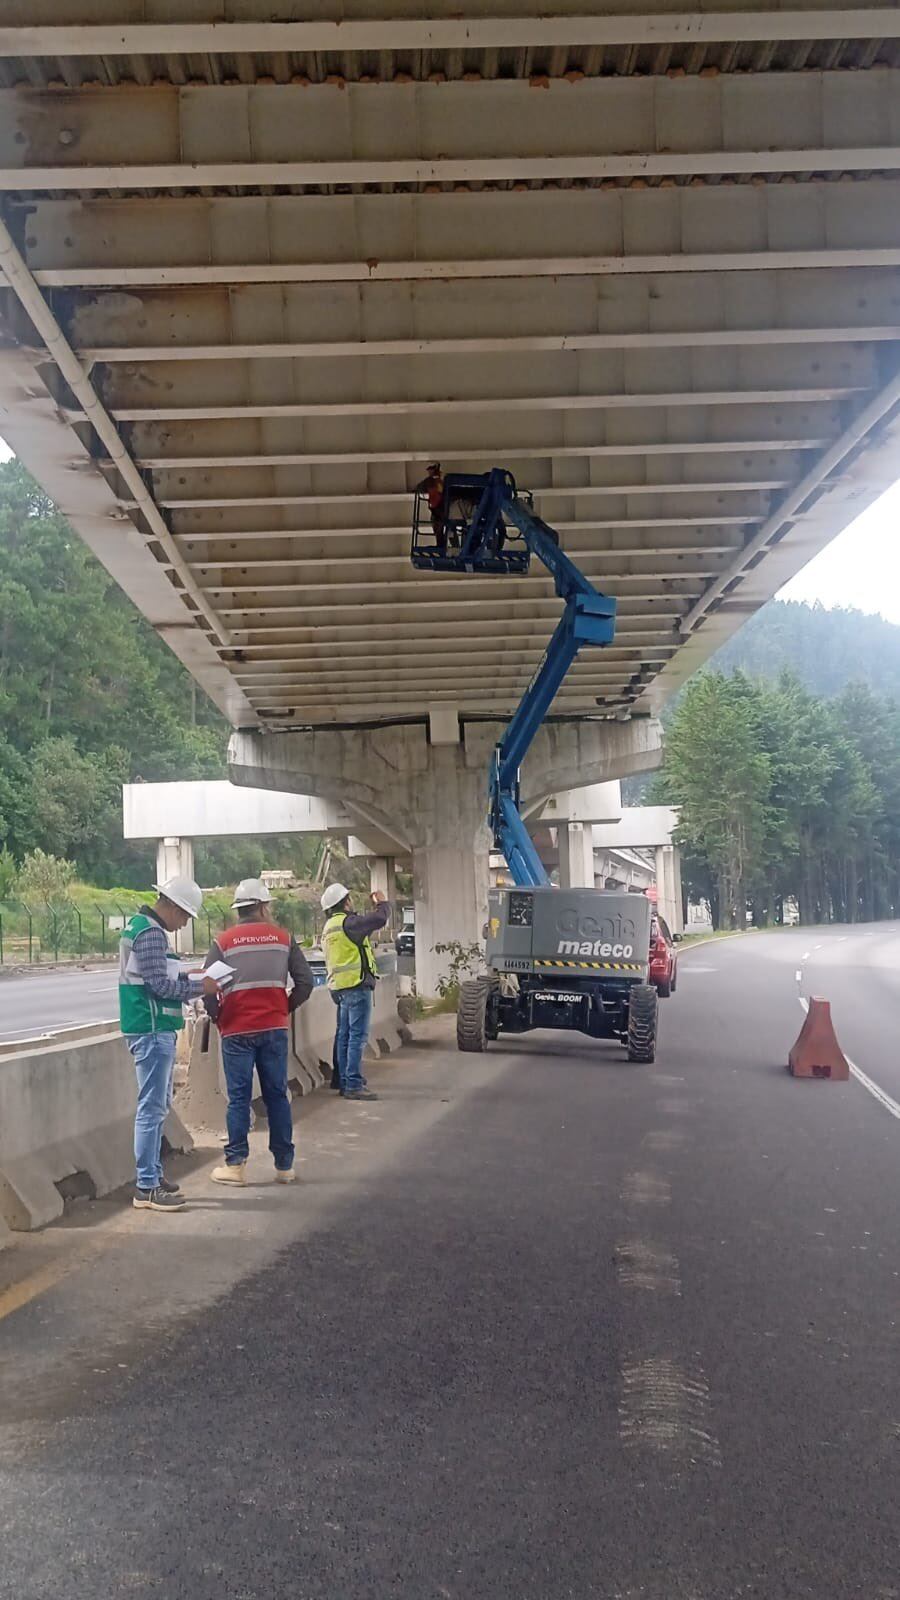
{"type": "Point", "coordinates": [576, 959]}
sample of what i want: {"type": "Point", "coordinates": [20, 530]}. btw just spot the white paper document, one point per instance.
{"type": "Point", "coordinates": [220, 971]}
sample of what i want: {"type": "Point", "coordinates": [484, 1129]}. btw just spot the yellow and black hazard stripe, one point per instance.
{"type": "Point", "coordinates": [595, 966]}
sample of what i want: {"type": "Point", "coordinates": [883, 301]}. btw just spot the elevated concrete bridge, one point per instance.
{"type": "Point", "coordinates": [259, 272]}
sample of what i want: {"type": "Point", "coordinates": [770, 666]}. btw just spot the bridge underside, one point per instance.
{"type": "Point", "coordinates": [259, 273]}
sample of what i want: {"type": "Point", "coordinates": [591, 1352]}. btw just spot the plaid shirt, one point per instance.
{"type": "Point", "coordinates": [151, 949]}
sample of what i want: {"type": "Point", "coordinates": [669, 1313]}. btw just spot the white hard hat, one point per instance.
{"type": "Point", "coordinates": [183, 893]}
{"type": "Point", "coordinates": [251, 892]}
{"type": "Point", "coordinates": [334, 894]}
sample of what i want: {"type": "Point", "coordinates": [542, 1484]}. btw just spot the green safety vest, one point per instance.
{"type": "Point", "coordinates": [139, 1010]}
{"type": "Point", "coordinates": [347, 963]}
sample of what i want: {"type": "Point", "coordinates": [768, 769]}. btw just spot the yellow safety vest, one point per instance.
{"type": "Point", "coordinates": [347, 963]}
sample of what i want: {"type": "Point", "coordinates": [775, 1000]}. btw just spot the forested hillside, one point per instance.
{"type": "Point", "coordinates": [825, 650]}
{"type": "Point", "coordinates": [89, 698]}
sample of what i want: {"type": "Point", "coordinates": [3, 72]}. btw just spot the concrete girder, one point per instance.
{"type": "Point", "coordinates": [290, 643]}
{"type": "Point", "coordinates": [505, 404]}
{"type": "Point", "coordinates": [243, 490]}
{"type": "Point", "coordinates": [497, 435]}
{"type": "Point", "coordinates": [302, 321]}
{"type": "Point", "coordinates": [122, 29]}
{"type": "Point", "coordinates": [412, 239]}
{"type": "Point", "coordinates": [425, 133]}
{"type": "Point", "coordinates": [623, 537]}
{"type": "Point", "coordinates": [191, 516]}
{"type": "Point", "coordinates": [294, 527]}
{"type": "Point", "coordinates": [559, 382]}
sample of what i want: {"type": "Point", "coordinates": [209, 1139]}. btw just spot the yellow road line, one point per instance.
{"type": "Point", "coordinates": [39, 1282]}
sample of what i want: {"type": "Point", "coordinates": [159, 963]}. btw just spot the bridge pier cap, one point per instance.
{"type": "Point", "coordinates": [430, 798]}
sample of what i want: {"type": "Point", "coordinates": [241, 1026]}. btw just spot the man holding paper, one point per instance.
{"type": "Point", "coordinates": [152, 991]}
{"type": "Point", "coordinates": [254, 963]}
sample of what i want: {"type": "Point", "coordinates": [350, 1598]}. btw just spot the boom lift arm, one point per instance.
{"type": "Point", "coordinates": [588, 619]}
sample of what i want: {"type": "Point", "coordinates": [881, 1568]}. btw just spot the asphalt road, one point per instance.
{"type": "Point", "coordinates": [538, 1325]}
{"type": "Point", "coordinates": [40, 1002]}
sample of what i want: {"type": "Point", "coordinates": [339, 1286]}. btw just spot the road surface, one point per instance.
{"type": "Point", "coordinates": [39, 1002]}
{"type": "Point", "coordinates": [538, 1325]}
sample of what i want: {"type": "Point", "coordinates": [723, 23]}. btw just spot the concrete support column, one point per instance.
{"type": "Point", "coordinates": [383, 880]}
{"type": "Point", "coordinates": [450, 889]}
{"type": "Point", "coordinates": [383, 877]}
{"type": "Point", "coordinates": [423, 787]}
{"type": "Point", "coordinates": [576, 855]}
{"type": "Point", "coordinates": [175, 858]}
{"type": "Point", "coordinates": [668, 886]}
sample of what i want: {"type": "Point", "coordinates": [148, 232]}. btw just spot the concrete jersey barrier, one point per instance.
{"type": "Point", "coordinates": [67, 1125]}
{"type": "Point", "coordinates": [67, 1104]}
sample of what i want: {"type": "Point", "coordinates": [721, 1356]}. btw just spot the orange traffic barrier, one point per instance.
{"type": "Point", "coordinates": [817, 1053]}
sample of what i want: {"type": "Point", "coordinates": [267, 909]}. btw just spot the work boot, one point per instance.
{"type": "Point", "coordinates": [169, 1186]}
{"type": "Point", "coordinates": [361, 1094]}
{"type": "Point", "coordinates": [285, 1175]}
{"type": "Point", "coordinates": [232, 1172]}
{"type": "Point", "coordinates": [157, 1200]}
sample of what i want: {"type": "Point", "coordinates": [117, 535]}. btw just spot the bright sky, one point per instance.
{"type": "Point", "coordinates": [861, 568]}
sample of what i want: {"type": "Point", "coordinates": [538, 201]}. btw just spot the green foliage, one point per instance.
{"type": "Point", "coordinates": [89, 697]}
{"type": "Point", "coordinates": [9, 874]}
{"type": "Point", "coordinates": [45, 877]}
{"type": "Point", "coordinates": [465, 961]}
{"type": "Point", "coordinates": [785, 794]}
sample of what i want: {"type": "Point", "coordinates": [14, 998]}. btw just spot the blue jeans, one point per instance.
{"type": "Point", "coordinates": [267, 1052]}
{"type": "Point", "coordinates": [354, 1016]}
{"type": "Point", "coordinates": [154, 1063]}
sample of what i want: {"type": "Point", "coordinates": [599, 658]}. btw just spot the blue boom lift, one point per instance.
{"type": "Point", "coordinates": [483, 525]}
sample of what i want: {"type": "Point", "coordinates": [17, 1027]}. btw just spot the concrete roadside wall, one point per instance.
{"type": "Point", "coordinates": [67, 1104]}
{"type": "Point", "coordinates": [67, 1124]}
{"type": "Point", "coordinates": [202, 1099]}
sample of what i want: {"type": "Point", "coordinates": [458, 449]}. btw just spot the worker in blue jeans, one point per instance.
{"type": "Point", "coordinates": [271, 978]}
{"type": "Point", "coordinates": [352, 976]}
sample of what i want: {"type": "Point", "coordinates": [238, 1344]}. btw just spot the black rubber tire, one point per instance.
{"type": "Point", "coordinates": [664, 990]}
{"type": "Point", "coordinates": [471, 1015]}
{"type": "Point", "coordinates": [642, 1016]}
{"type": "Point", "coordinates": [674, 979]}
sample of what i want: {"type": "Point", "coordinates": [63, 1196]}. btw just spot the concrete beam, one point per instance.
{"type": "Point", "coordinates": [207, 810]}
{"type": "Point", "coordinates": [304, 321]}
{"type": "Point", "coordinates": [169, 34]}
{"type": "Point", "coordinates": [487, 132]}
{"type": "Point", "coordinates": [416, 238]}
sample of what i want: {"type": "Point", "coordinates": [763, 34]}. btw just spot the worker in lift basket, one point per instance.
{"type": "Point", "coordinates": [152, 992]}
{"type": "Point", "coordinates": [432, 487]}
{"type": "Point", "coordinates": [352, 977]}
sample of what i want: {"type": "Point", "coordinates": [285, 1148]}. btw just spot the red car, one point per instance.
{"type": "Point", "coordinates": [663, 960]}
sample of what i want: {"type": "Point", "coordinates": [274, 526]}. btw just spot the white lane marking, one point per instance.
{"type": "Point", "coordinates": [843, 938]}
{"type": "Point", "coordinates": [644, 1188]}
{"type": "Point", "coordinates": [799, 976]}
{"type": "Point", "coordinates": [667, 1410]}
{"type": "Point", "coordinates": [642, 1265]}
{"type": "Point", "coordinates": [805, 956]}
{"type": "Point", "coordinates": [874, 1089]}
{"type": "Point", "coordinates": [817, 947]}
{"type": "Point", "coordinates": [663, 1139]}
{"type": "Point", "coordinates": [672, 1107]}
